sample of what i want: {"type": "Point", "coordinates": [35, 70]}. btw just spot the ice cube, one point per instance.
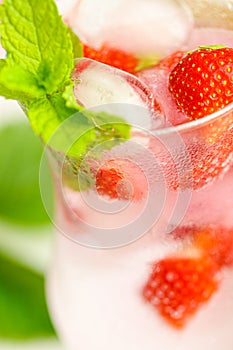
{"type": "Point", "coordinates": [114, 91]}
{"type": "Point", "coordinates": [157, 81]}
{"type": "Point", "coordinates": [140, 27]}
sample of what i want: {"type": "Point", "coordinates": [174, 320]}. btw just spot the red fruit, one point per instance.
{"type": "Point", "coordinates": [113, 57]}
{"type": "Point", "coordinates": [121, 179]}
{"type": "Point", "coordinates": [178, 287]}
{"type": "Point", "coordinates": [214, 241]}
{"type": "Point", "coordinates": [202, 82]}
{"type": "Point", "coordinates": [169, 62]}
{"type": "Point", "coordinates": [107, 180]}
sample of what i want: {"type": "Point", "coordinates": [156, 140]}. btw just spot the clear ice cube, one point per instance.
{"type": "Point", "coordinates": [140, 27]}
{"type": "Point", "coordinates": [111, 90]}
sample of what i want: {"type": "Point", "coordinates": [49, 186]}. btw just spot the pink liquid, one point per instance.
{"type": "Point", "coordinates": [95, 295]}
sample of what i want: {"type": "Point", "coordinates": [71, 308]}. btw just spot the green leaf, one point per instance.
{"type": "Point", "coordinates": [83, 130]}
{"type": "Point", "coordinates": [17, 83]}
{"type": "Point", "coordinates": [35, 38]}
{"type": "Point", "coordinates": [46, 115]}
{"type": "Point", "coordinates": [23, 310]}
{"type": "Point", "coordinates": [41, 49]}
{"type": "Point", "coordinates": [20, 154]}
{"type": "Point", "coordinates": [75, 133]}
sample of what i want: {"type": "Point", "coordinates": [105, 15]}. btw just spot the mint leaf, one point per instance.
{"type": "Point", "coordinates": [20, 198]}
{"type": "Point", "coordinates": [47, 114]}
{"type": "Point", "coordinates": [84, 129]}
{"type": "Point", "coordinates": [75, 134]}
{"type": "Point", "coordinates": [18, 83]}
{"type": "Point", "coordinates": [42, 49]}
{"type": "Point", "coordinates": [23, 310]}
{"type": "Point", "coordinates": [35, 38]}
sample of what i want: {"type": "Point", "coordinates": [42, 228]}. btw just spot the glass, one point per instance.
{"type": "Point", "coordinates": [105, 289]}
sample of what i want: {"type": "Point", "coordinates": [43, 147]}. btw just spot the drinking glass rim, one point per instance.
{"type": "Point", "coordinates": [194, 124]}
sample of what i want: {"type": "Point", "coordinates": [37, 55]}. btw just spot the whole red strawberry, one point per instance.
{"type": "Point", "coordinates": [121, 179]}
{"type": "Point", "coordinates": [178, 286]}
{"type": "Point", "coordinates": [113, 57]}
{"type": "Point", "coordinates": [202, 82]}
{"type": "Point", "coordinates": [107, 180]}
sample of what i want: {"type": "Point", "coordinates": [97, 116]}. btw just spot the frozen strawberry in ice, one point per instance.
{"type": "Point", "coordinates": [113, 57]}
{"type": "Point", "coordinates": [142, 27]}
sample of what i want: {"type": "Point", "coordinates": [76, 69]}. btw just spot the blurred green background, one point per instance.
{"type": "Point", "coordinates": [25, 237]}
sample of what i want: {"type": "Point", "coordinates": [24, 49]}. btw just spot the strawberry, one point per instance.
{"type": "Point", "coordinates": [120, 59]}
{"type": "Point", "coordinates": [107, 180]}
{"type": "Point", "coordinates": [178, 286]}
{"type": "Point", "coordinates": [218, 244]}
{"type": "Point", "coordinates": [113, 57]}
{"type": "Point", "coordinates": [202, 82]}
{"type": "Point", "coordinates": [214, 241]}
{"type": "Point", "coordinates": [121, 179]}
{"type": "Point", "coordinates": [197, 90]}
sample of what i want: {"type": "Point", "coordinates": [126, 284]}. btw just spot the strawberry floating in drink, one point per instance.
{"type": "Point", "coordinates": [179, 286]}
{"type": "Point", "coordinates": [121, 179]}
{"type": "Point", "coordinates": [202, 82]}
{"type": "Point", "coordinates": [187, 86]}
{"type": "Point", "coordinates": [215, 241]}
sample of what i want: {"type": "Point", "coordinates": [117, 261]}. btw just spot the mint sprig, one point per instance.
{"type": "Point", "coordinates": [37, 73]}
{"type": "Point", "coordinates": [35, 38]}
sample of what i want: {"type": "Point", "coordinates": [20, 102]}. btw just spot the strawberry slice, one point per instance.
{"type": "Point", "coordinates": [121, 179]}
{"type": "Point", "coordinates": [113, 57]}
{"type": "Point", "coordinates": [179, 286]}
{"type": "Point", "coordinates": [202, 82]}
